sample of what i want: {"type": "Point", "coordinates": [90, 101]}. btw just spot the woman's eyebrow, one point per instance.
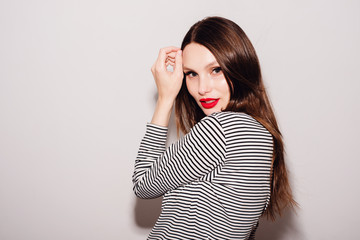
{"type": "Point", "coordinates": [207, 65]}
{"type": "Point", "coordinates": [187, 68]}
{"type": "Point", "coordinates": [211, 64]}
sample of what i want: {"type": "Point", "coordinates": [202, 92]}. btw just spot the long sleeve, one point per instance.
{"type": "Point", "coordinates": [158, 170]}
{"type": "Point", "coordinates": [216, 180]}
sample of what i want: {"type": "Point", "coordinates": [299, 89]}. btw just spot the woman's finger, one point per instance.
{"type": "Point", "coordinates": [169, 63]}
{"type": "Point", "coordinates": [170, 60]}
{"type": "Point", "coordinates": [163, 53]}
{"type": "Point", "coordinates": [171, 55]}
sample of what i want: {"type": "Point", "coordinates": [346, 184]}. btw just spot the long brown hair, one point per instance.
{"type": "Point", "coordinates": [240, 65]}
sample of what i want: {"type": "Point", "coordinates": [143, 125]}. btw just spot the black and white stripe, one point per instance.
{"type": "Point", "coordinates": [215, 180]}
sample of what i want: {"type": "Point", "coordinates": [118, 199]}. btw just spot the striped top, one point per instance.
{"type": "Point", "coordinates": [215, 180]}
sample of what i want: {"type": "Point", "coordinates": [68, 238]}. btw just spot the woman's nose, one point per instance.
{"type": "Point", "coordinates": [204, 85]}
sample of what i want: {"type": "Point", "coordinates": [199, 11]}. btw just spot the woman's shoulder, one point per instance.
{"type": "Point", "coordinates": [232, 116]}
{"type": "Point", "coordinates": [231, 124]}
{"type": "Point", "coordinates": [228, 119]}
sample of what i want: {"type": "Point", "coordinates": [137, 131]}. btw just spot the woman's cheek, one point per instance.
{"type": "Point", "coordinates": [191, 87]}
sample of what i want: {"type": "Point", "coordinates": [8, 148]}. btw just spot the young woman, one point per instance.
{"type": "Point", "coordinates": [229, 168]}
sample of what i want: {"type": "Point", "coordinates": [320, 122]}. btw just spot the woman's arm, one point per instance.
{"type": "Point", "coordinates": [195, 155]}
{"type": "Point", "coordinates": [168, 83]}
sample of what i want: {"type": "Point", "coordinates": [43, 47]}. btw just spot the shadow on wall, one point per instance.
{"type": "Point", "coordinates": [281, 229]}
{"type": "Point", "coordinates": [147, 212]}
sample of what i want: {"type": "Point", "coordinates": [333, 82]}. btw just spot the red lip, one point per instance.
{"type": "Point", "coordinates": [209, 102]}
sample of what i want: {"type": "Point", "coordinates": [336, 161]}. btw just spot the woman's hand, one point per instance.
{"type": "Point", "coordinates": [168, 83]}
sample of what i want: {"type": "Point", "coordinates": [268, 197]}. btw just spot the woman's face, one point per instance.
{"type": "Point", "coordinates": [205, 80]}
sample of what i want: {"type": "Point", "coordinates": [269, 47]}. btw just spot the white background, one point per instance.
{"type": "Point", "coordinates": [76, 92]}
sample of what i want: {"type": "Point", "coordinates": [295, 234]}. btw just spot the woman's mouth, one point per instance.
{"type": "Point", "coordinates": [209, 102]}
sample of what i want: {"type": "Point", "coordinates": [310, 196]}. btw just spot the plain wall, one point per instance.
{"type": "Point", "coordinates": [76, 92]}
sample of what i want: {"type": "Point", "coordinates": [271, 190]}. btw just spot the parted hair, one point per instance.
{"type": "Point", "coordinates": [241, 68]}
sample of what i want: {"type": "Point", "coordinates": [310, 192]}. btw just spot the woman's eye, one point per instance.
{"type": "Point", "coordinates": [190, 74]}
{"type": "Point", "coordinates": [217, 70]}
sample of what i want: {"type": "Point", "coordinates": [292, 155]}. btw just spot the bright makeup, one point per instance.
{"type": "Point", "coordinates": [205, 80]}
{"type": "Point", "coordinates": [209, 102]}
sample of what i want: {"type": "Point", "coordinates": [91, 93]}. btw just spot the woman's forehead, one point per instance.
{"type": "Point", "coordinates": [197, 56]}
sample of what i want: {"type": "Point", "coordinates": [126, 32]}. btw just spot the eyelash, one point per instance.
{"type": "Point", "coordinates": [189, 73]}
{"type": "Point", "coordinates": [216, 70]}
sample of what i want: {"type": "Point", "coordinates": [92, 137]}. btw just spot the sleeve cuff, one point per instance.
{"type": "Point", "coordinates": [156, 133]}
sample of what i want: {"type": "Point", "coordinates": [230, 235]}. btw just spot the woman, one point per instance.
{"type": "Point", "coordinates": [229, 168]}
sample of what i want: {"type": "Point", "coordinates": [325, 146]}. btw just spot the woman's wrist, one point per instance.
{"type": "Point", "coordinates": [165, 101]}
{"type": "Point", "coordinates": [162, 111]}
